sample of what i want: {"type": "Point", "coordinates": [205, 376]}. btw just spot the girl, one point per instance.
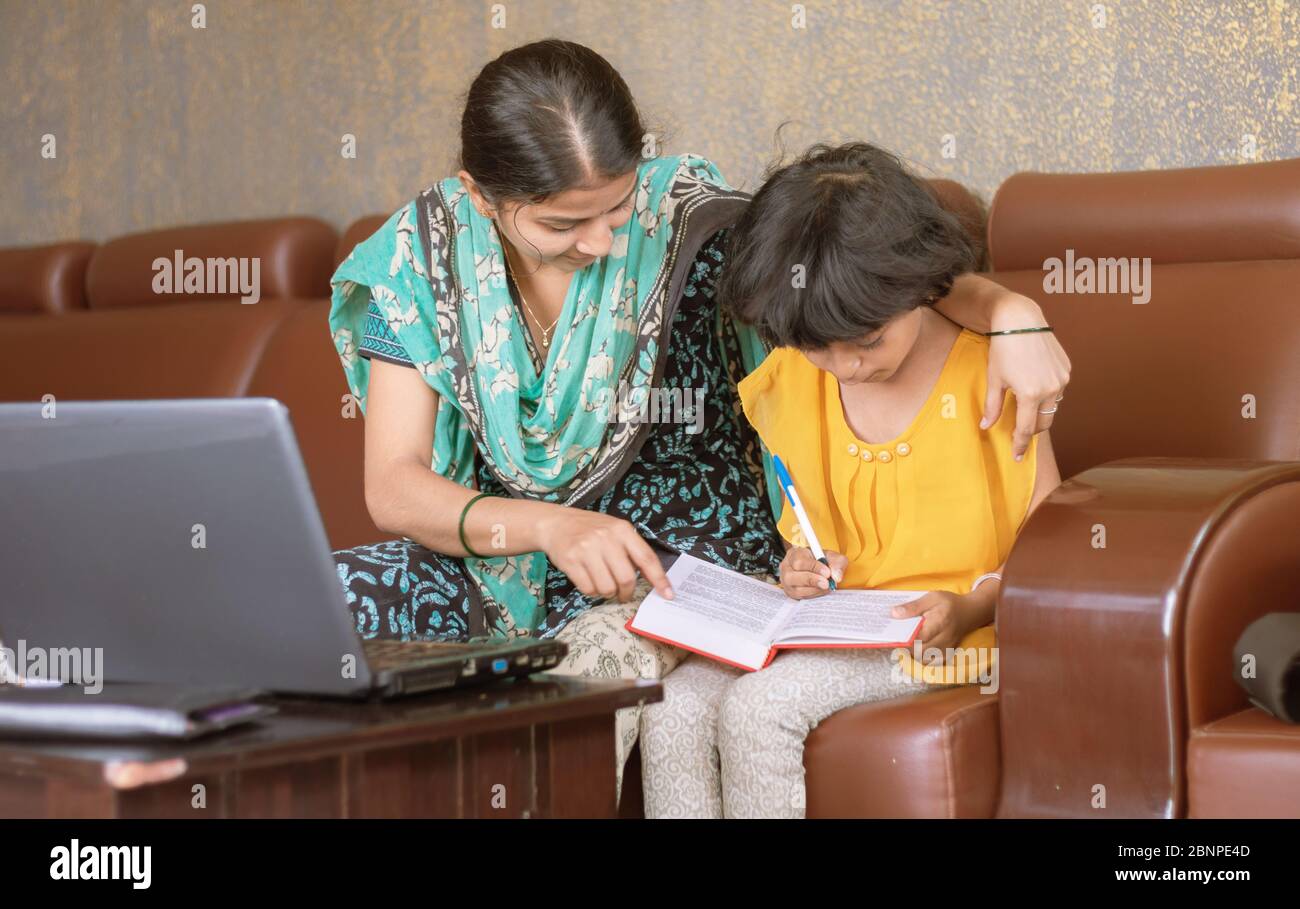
{"type": "Point", "coordinates": [874, 400]}
{"type": "Point", "coordinates": [488, 330]}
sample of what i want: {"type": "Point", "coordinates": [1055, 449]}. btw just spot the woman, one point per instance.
{"type": "Point", "coordinates": [511, 321]}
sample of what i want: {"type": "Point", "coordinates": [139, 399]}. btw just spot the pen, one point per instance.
{"type": "Point", "coordinates": [787, 484]}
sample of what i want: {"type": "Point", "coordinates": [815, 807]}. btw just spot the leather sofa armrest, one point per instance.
{"type": "Point", "coordinates": [1120, 604]}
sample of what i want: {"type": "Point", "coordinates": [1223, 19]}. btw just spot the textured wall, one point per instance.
{"type": "Point", "coordinates": [159, 123]}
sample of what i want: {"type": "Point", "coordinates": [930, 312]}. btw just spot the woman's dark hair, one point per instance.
{"type": "Point", "coordinates": [872, 240]}
{"type": "Point", "coordinates": [547, 117]}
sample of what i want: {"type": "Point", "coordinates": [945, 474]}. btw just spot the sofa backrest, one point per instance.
{"type": "Point", "coordinates": [1209, 364]}
{"type": "Point", "coordinates": [187, 351]}
{"type": "Point", "coordinates": [294, 258]}
{"type": "Point", "coordinates": [1232, 213]}
{"type": "Point", "coordinates": [48, 280]}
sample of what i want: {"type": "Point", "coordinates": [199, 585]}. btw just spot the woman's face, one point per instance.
{"type": "Point", "coordinates": [567, 231]}
{"type": "Point", "coordinates": [874, 357]}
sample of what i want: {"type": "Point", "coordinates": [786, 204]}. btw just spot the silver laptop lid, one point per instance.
{"type": "Point", "coordinates": [180, 536]}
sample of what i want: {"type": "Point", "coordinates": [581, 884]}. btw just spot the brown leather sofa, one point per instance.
{"type": "Point", "coordinates": [1115, 662]}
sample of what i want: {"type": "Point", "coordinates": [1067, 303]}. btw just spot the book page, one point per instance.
{"type": "Point", "coordinates": [851, 616]}
{"type": "Point", "coordinates": [715, 611]}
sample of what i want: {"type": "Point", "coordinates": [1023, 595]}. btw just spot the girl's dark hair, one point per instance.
{"type": "Point", "coordinates": [872, 240]}
{"type": "Point", "coordinates": [546, 117]}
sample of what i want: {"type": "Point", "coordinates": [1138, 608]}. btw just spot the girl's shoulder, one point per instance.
{"type": "Point", "coordinates": [968, 361]}
{"type": "Point", "coordinates": [963, 386]}
{"type": "Point", "coordinates": [785, 383]}
{"type": "Point", "coordinates": [780, 363]}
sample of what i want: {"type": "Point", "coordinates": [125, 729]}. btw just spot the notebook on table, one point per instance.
{"type": "Point", "coordinates": [743, 621]}
{"type": "Point", "coordinates": [127, 710]}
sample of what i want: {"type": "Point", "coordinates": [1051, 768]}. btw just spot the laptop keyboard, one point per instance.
{"type": "Point", "coordinates": [396, 654]}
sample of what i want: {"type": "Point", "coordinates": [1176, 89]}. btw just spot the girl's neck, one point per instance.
{"type": "Point", "coordinates": [877, 412]}
{"type": "Point", "coordinates": [933, 341]}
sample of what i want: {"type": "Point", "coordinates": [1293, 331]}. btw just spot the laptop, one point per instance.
{"type": "Point", "coordinates": [179, 541]}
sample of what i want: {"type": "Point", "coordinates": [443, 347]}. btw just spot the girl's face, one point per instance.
{"type": "Point", "coordinates": [874, 357]}
{"type": "Point", "coordinates": [569, 230]}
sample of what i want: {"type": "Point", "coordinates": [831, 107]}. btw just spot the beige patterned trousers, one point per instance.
{"type": "Point", "coordinates": [600, 647]}
{"type": "Point", "coordinates": [728, 742]}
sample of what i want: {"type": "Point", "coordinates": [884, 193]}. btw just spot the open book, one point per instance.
{"type": "Point", "coordinates": [743, 621]}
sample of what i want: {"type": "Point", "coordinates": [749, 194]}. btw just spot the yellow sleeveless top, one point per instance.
{"type": "Point", "coordinates": [932, 509]}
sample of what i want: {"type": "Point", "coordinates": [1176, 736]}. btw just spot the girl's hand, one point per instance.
{"type": "Point", "coordinates": [802, 576]}
{"type": "Point", "coordinates": [943, 618]}
{"type": "Point", "coordinates": [1034, 366]}
{"type": "Point", "coordinates": [600, 553]}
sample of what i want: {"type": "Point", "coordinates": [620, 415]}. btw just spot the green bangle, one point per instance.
{"type": "Point", "coordinates": [464, 542]}
{"type": "Point", "coordinates": [1017, 331]}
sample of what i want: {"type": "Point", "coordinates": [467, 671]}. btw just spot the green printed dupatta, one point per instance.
{"type": "Point", "coordinates": [567, 432]}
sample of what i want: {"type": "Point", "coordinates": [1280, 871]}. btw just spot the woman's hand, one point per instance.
{"type": "Point", "coordinates": [802, 576]}
{"type": "Point", "coordinates": [943, 618]}
{"type": "Point", "coordinates": [1034, 366]}
{"type": "Point", "coordinates": [600, 553]}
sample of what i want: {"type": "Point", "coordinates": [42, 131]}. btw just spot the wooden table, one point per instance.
{"type": "Point", "coordinates": [537, 747]}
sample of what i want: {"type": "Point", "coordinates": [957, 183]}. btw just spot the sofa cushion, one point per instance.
{"type": "Point", "coordinates": [931, 755]}
{"type": "Point", "coordinates": [1244, 765]}
{"type": "Point", "coordinates": [44, 279]}
{"type": "Point", "coordinates": [294, 258]}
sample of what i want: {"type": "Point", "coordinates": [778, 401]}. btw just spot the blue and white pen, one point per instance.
{"type": "Point", "coordinates": [787, 484]}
